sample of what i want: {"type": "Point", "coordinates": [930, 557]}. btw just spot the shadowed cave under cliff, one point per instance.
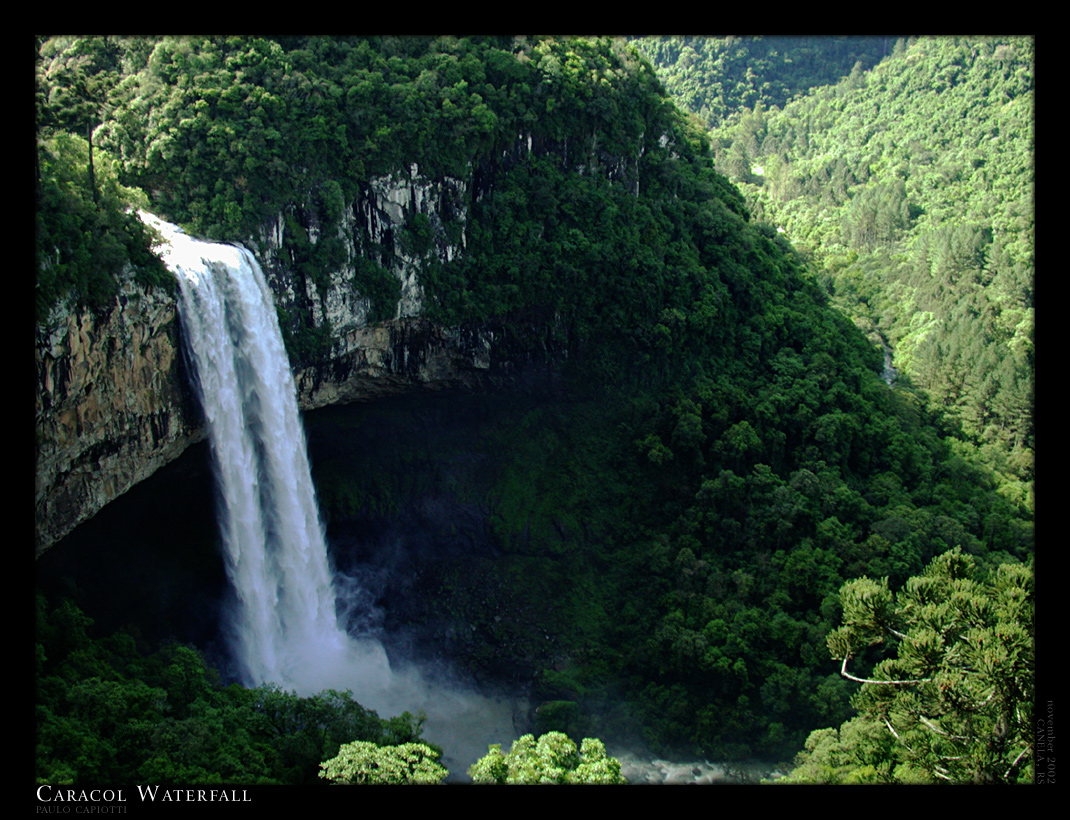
{"type": "Point", "coordinates": [406, 492]}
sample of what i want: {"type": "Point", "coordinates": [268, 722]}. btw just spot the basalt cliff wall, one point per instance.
{"type": "Point", "coordinates": [114, 401]}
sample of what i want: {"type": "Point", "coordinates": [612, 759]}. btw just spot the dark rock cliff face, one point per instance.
{"type": "Point", "coordinates": [114, 401]}
{"type": "Point", "coordinates": [112, 405]}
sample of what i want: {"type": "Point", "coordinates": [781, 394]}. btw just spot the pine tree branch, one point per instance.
{"type": "Point", "coordinates": [940, 731]}
{"type": "Point", "coordinates": [849, 676]}
{"type": "Point", "coordinates": [1014, 765]}
{"type": "Point", "coordinates": [895, 734]}
{"type": "Point", "coordinates": [942, 773]}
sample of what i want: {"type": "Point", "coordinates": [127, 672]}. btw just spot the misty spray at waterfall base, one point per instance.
{"type": "Point", "coordinates": [283, 622]}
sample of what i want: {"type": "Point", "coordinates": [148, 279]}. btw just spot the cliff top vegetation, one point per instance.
{"type": "Point", "coordinates": [725, 455]}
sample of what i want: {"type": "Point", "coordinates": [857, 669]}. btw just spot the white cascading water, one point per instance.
{"type": "Point", "coordinates": [284, 628]}
{"type": "Point", "coordinates": [284, 625]}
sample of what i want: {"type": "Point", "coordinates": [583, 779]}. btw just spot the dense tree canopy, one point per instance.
{"type": "Point", "coordinates": [910, 189]}
{"type": "Point", "coordinates": [86, 240]}
{"type": "Point", "coordinates": [717, 77]}
{"type": "Point", "coordinates": [109, 711]}
{"type": "Point", "coordinates": [364, 763]}
{"type": "Point", "coordinates": [955, 701]}
{"type": "Point", "coordinates": [721, 455]}
{"type": "Point", "coordinates": [552, 759]}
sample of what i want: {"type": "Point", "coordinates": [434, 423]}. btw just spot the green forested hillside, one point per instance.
{"type": "Point", "coordinates": [717, 77]}
{"type": "Point", "coordinates": [910, 190]}
{"type": "Point", "coordinates": [725, 454]}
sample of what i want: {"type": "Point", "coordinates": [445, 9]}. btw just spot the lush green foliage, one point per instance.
{"type": "Point", "coordinates": [109, 712]}
{"type": "Point", "coordinates": [910, 187]}
{"type": "Point", "coordinates": [693, 544]}
{"type": "Point", "coordinates": [230, 132]}
{"type": "Point", "coordinates": [83, 247]}
{"type": "Point", "coordinates": [361, 762]}
{"type": "Point", "coordinates": [552, 759]}
{"type": "Point", "coordinates": [85, 236]}
{"type": "Point", "coordinates": [716, 77]}
{"type": "Point", "coordinates": [724, 455]}
{"type": "Point", "coordinates": [952, 699]}
{"type": "Point", "coordinates": [680, 552]}
{"type": "Point", "coordinates": [231, 135]}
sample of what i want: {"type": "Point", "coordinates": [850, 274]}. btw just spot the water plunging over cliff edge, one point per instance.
{"type": "Point", "coordinates": [283, 626]}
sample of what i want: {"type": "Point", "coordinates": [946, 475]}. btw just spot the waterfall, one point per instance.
{"type": "Point", "coordinates": [889, 374]}
{"type": "Point", "coordinates": [283, 625]}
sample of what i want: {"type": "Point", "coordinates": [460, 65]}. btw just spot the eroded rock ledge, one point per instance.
{"type": "Point", "coordinates": [114, 402]}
